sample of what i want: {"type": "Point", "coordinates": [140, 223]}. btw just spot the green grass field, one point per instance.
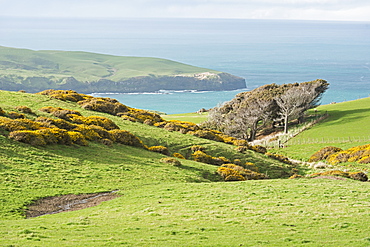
{"type": "Point", "coordinates": [253, 213]}
{"type": "Point", "coordinates": [164, 205]}
{"type": "Point", "coordinates": [346, 126]}
{"type": "Point", "coordinates": [187, 117]}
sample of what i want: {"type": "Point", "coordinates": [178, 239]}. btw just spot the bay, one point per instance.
{"type": "Point", "coordinates": [261, 51]}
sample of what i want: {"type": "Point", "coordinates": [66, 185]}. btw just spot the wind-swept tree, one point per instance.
{"type": "Point", "coordinates": [249, 112]}
{"type": "Point", "coordinates": [295, 101]}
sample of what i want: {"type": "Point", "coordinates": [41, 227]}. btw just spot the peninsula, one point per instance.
{"type": "Point", "coordinates": [34, 71]}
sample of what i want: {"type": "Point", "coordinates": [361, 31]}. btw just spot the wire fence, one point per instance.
{"type": "Point", "coordinates": [329, 140]}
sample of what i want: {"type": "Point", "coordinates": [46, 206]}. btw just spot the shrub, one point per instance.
{"type": "Point", "coordinates": [129, 118]}
{"type": "Point", "coordinates": [15, 115]}
{"type": "Point", "coordinates": [219, 161]}
{"type": "Point", "coordinates": [280, 158]}
{"type": "Point", "coordinates": [24, 109]}
{"type": "Point", "coordinates": [331, 173]}
{"type": "Point", "coordinates": [171, 161]}
{"type": "Point", "coordinates": [364, 160]}
{"type": "Point", "coordinates": [88, 132]}
{"type": "Point", "coordinates": [28, 136]}
{"type": "Point", "coordinates": [229, 174]}
{"type": "Point", "coordinates": [339, 157]}
{"type": "Point", "coordinates": [195, 148]}
{"type": "Point", "coordinates": [56, 136]}
{"type": "Point", "coordinates": [241, 149]}
{"type": "Point", "coordinates": [107, 142]}
{"type": "Point", "coordinates": [2, 112]}
{"type": "Point", "coordinates": [149, 122]}
{"type": "Point", "coordinates": [237, 162]}
{"type": "Point", "coordinates": [159, 149]}
{"type": "Point", "coordinates": [259, 149]}
{"type": "Point", "coordinates": [65, 114]}
{"type": "Point", "coordinates": [50, 109]}
{"type": "Point", "coordinates": [126, 138]}
{"type": "Point", "coordinates": [358, 176]}
{"type": "Point", "coordinates": [59, 123]}
{"type": "Point", "coordinates": [77, 138]}
{"type": "Point", "coordinates": [17, 124]}
{"type": "Point", "coordinates": [106, 105]}
{"type": "Point", "coordinates": [295, 176]}
{"type": "Point", "coordinates": [200, 156]}
{"type": "Point", "coordinates": [251, 166]}
{"type": "Point", "coordinates": [104, 122]}
{"type": "Point", "coordinates": [324, 153]}
{"type": "Point", "coordinates": [206, 134]}
{"type": "Point", "coordinates": [171, 127]}
{"type": "Point", "coordinates": [178, 155]}
{"type": "Point", "coordinates": [64, 95]}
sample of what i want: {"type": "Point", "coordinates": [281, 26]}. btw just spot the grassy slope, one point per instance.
{"type": "Point", "coordinates": [66, 169]}
{"type": "Point", "coordinates": [86, 66]}
{"type": "Point", "coordinates": [346, 121]}
{"type": "Point", "coordinates": [188, 117]}
{"type": "Point", "coordinates": [160, 204]}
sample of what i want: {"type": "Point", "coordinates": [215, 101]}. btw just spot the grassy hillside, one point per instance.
{"type": "Point", "coordinates": [86, 66]}
{"type": "Point", "coordinates": [345, 127]}
{"type": "Point", "coordinates": [163, 204]}
{"type": "Point", "coordinates": [34, 172]}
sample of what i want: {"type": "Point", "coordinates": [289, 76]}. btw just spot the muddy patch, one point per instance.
{"type": "Point", "coordinates": [58, 204]}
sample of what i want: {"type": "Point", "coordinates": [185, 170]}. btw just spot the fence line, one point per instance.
{"type": "Point", "coordinates": [329, 140]}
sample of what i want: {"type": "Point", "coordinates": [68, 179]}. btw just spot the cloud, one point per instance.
{"type": "Point", "coordinates": [356, 10]}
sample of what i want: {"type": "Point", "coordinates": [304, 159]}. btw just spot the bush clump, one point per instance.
{"type": "Point", "coordinates": [28, 136]}
{"type": "Point", "coordinates": [178, 155]}
{"type": "Point", "coordinates": [160, 149]}
{"type": "Point", "coordinates": [2, 112]}
{"type": "Point", "coordinates": [206, 134]}
{"type": "Point", "coordinates": [353, 175]}
{"type": "Point", "coordinates": [200, 156]}
{"type": "Point", "coordinates": [171, 161]}
{"type": "Point", "coordinates": [24, 109]}
{"type": "Point", "coordinates": [229, 174]}
{"type": "Point", "coordinates": [106, 105]}
{"type": "Point", "coordinates": [197, 148]}
{"type": "Point", "coordinates": [232, 172]}
{"type": "Point", "coordinates": [324, 153]}
{"type": "Point", "coordinates": [259, 149]}
{"type": "Point", "coordinates": [126, 138]}
{"type": "Point", "coordinates": [280, 158]}
{"type": "Point", "coordinates": [64, 95]}
{"type": "Point", "coordinates": [15, 115]}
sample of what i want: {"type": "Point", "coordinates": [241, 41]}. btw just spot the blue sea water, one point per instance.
{"type": "Point", "coordinates": [261, 51]}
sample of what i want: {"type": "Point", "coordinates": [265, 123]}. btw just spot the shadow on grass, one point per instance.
{"type": "Point", "coordinates": [347, 115]}
{"type": "Point", "coordinates": [210, 176]}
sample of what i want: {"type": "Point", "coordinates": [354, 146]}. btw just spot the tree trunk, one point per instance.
{"type": "Point", "coordinates": [286, 124]}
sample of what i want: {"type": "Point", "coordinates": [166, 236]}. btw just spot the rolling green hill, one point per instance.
{"type": "Point", "coordinates": [162, 204]}
{"type": "Point", "coordinates": [22, 69]}
{"type": "Point", "coordinates": [346, 126]}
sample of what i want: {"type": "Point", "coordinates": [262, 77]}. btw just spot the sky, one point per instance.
{"type": "Point", "coordinates": [337, 10]}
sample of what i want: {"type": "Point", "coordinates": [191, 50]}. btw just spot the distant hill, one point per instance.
{"type": "Point", "coordinates": [33, 71]}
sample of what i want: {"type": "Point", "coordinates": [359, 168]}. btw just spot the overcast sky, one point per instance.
{"type": "Point", "coordinates": [346, 10]}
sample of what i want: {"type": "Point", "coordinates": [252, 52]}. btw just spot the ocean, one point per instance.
{"type": "Point", "coordinates": [261, 51]}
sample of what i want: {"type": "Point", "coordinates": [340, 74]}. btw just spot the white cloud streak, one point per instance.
{"type": "Point", "coordinates": [354, 10]}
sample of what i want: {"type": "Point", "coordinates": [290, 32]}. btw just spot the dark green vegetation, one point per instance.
{"type": "Point", "coordinates": [264, 107]}
{"type": "Point", "coordinates": [34, 71]}
{"type": "Point", "coordinates": [164, 203]}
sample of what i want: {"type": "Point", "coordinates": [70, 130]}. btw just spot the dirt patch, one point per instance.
{"type": "Point", "coordinates": [58, 204]}
{"type": "Point", "coordinates": [330, 177]}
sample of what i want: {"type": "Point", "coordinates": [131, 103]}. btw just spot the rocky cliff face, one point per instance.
{"type": "Point", "coordinates": [202, 82]}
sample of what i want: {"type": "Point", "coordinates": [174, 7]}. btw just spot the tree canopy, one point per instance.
{"type": "Point", "coordinates": [248, 112]}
